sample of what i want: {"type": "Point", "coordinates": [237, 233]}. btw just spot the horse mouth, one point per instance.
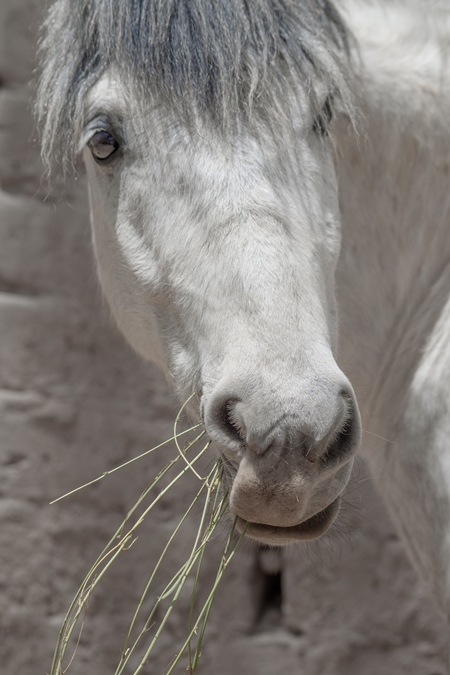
{"type": "Point", "coordinates": [312, 528]}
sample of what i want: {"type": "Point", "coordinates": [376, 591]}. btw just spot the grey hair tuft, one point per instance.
{"type": "Point", "coordinates": [221, 59]}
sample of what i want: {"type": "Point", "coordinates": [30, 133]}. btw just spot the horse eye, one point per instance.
{"type": "Point", "coordinates": [103, 145]}
{"type": "Point", "coordinates": [323, 119]}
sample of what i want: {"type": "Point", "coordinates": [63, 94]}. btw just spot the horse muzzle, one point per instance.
{"type": "Point", "coordinates": [287, 459]}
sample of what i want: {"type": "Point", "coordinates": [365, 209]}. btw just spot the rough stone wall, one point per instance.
{"type": "Point", "coordinates": [74, 402]}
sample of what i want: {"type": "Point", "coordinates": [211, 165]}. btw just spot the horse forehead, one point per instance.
{"type": "Point", "coordinates": [244, 173]}
{"type": "Point", "coordinates": [111, 95]}
{"type": "Point", "coordinates": [240, 161]}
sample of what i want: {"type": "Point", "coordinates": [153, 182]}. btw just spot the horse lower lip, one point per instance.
{"type": "Point", "coordinates": [313, 528]}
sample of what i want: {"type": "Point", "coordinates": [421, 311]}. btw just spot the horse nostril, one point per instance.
{"type": "Point", "coordinates": [232, 423]}
{"type": "Point", "coordinates": [326, 433]}
{"type": "Point", "coordinates": [345, 437]}
{"type": "Point", "coordinates": [223, 423]}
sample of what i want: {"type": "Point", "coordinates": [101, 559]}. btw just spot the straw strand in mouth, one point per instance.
{"type": "Point", "coordinates": [214, 503]}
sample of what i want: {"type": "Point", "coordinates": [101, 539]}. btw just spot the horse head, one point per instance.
{"type": "Point", "coordinates": [217, 234]}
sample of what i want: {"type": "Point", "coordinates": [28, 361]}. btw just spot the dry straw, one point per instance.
{"type": "Point", "coordinates": [150, 623]}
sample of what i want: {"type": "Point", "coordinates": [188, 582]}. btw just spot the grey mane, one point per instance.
{"type": "Point", "coordinates": [216, 58]}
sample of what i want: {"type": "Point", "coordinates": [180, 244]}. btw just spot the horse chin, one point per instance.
{"type": "Point", "coordinates": [312, 528]}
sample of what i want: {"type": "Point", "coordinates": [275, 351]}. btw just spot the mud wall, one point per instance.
{"type": "Point", "coordinates": [74, 402]}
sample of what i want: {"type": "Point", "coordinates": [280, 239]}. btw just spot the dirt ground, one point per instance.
{"type": "Point", "coordinates": [74, 402]}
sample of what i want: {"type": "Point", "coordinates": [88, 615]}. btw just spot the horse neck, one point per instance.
{"type": "Point", "coordinates": [394, 274]}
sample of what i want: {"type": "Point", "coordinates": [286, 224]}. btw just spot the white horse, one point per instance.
{"type": "Point", "coordinates": [224, 142]}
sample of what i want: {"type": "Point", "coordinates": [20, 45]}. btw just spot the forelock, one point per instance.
{"type": "Point", "coordinates": [220, 59]}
